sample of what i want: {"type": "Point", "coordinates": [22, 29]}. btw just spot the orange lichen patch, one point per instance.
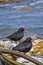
{"type": "Point", "coordinates": [35, 50]}
{"type": "Point", "coordinates": [9, 56]}
{"type": "Point", "coordinates": [12, 57]}
{"type": "Point", "coordinates": [38, 47]}
{"type": "Point", "coordinates": [40, 44]}
{"type": "Point", "coordinates": [41, 51]}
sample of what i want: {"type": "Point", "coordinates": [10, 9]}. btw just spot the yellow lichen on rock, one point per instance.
{"type": "Point", "coordinates": [41, 51]}
{"type": "Point", "coordinates": [9, 56]}
{"type": "Point", "coordinates": [35, 50]}
{"type": "Point", "coordinates": [1, 46]}
{"type": "Point", "coordinates": [40, 44]}
{"type": "Point", "coordinates": [38, 48]}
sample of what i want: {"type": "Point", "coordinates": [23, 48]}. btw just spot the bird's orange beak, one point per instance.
{"type": "Point", "coordinates": [33, 41]}
{"type": "Point", "coordinates": [25, 30]}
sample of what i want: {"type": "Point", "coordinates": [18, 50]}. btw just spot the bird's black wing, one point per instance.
{"type": "Point", "coordinates": [23, 47]}
{"type": "Point", "coordinates": [18, 47]}
{"type": "Point", "coordinates": [16, 36]}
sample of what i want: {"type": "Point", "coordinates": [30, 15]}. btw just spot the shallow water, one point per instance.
{"type": "Point", "coordinates": [11, 18]}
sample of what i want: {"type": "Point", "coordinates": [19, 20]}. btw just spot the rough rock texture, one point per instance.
{"type": "Point", "coordinates": [8, 44]}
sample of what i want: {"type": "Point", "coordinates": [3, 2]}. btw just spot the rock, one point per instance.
{"type": "Point", "coordinates": [8, 44]}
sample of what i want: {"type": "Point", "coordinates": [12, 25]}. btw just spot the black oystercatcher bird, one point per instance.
{"type": "Point", "coordinates": [24, 46]}
{"type": "Point", "coordinates": [16, 36]}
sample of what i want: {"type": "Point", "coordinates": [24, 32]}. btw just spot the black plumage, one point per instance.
{"type": "Point", "coordinates": [17, 35]}
{"type": "Point", "coordinates": [24, 46]}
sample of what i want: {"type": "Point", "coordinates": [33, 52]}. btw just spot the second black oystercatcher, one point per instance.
{"type": "Point", "coordinates": [24, 46]}
{"type": "Point", "coordinates": [16, 36]}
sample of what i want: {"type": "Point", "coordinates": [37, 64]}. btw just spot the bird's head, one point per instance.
{"type": "Point", "coordinates": [29, 39]}
{"type": "Point", "coordinates": [22, 29]}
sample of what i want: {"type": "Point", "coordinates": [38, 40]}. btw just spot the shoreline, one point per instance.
{"type": "Point", "coordinates": [9, 1]}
